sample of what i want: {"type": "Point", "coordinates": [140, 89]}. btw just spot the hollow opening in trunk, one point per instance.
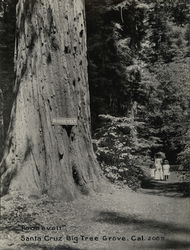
{"type": "Point", "coordinates": [68, 129]}
{"type": "Point", "coordinates": [76, 176]}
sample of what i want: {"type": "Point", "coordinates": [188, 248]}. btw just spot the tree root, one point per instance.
{"type": "Point", "coordinates": [6, 178]}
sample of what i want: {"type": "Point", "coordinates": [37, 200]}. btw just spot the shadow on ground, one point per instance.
{"type": "Point", "coordinates": [176, 189]}
{"type": "Point", "coordinates": [168, 244]}
{"type": "Point", "coordinates": [140, 223]}
{"type": "Point", "coordinates": [45, 247]}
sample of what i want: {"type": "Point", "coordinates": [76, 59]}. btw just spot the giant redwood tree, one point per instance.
{"type": "Point", "coordinates": [43, 156]}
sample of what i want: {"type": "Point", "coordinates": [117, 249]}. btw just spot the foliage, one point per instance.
{"type": "Point", "coordinates": [120, 152]}
{"type": "Point", "coordinates": [184, 155]}
{"type": "Point", "coordinates": [139, 54]}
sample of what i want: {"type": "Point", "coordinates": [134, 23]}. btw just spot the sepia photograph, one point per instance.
{"type": "Point", "coordinates": [94, 124]}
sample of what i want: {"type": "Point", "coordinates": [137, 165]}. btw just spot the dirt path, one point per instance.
{"type": "Point", "coordinates": [118, 219]}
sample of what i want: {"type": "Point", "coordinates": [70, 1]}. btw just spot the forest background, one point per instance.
{"type": "Point", "coordinates": [139, 60]}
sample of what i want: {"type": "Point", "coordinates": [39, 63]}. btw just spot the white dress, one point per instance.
{"type": "Point", "coordinates": [158, 173]}
{"type": "Point", "coordinates": [152, 172]}
{"type": "Point", "coordinates": [166, 169]}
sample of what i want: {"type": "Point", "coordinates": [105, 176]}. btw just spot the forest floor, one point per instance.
{"type": "Point", "coordinates": [155, 217]}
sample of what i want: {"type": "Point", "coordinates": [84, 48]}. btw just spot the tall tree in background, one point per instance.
{"type": "Point", "coordinates": [51, 82]}
{"type": "Point", "coordinates": [7, 38]}
{"type": "Point", "coordinates": [143, 57]}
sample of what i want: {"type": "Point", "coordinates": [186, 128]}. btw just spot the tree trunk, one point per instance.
{"type": "Point", "coordinates": [133, 125]}
{"type": "Point", "coordinates": [1, 124]}
{"type": "Point", "coordinates": [51, 82]}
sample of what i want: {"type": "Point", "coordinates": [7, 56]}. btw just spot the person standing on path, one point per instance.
{"type": "Point", "coordinates": [158, 165]}
{"type": "Point", "coordinates": [152, 171]}
{"type": "Point", "coordinates": [166, 169]}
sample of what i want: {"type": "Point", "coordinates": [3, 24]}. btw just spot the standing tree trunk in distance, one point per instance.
{"type": "Point", "coordinates": [51, 82]}
{"type": "Point", "coordinates": [1, 124]}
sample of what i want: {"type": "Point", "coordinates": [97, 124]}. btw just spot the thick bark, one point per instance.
{"type": "Point", "coordinates": [51, 82]}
